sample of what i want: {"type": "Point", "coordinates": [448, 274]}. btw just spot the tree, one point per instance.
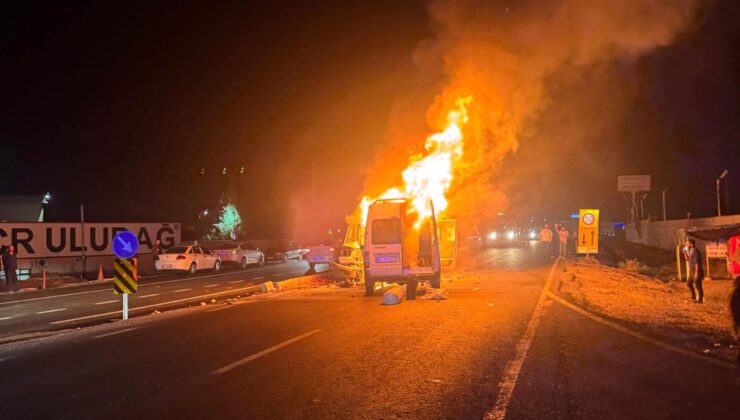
{"type": "Point", "coordinates": [229, 224]}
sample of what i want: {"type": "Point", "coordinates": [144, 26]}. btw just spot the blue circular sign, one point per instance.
{"type": "Point", "coordinates": [125, 244]}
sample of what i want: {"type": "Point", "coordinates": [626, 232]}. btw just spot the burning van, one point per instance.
{"type": "Point", "coordinates": [400, 246]}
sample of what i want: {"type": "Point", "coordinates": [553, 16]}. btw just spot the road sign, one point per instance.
{"type": "Point", "coordinates": [125, 244]}
{"type": "Point", "coordinates": [633, 183]}
{"type": "Point", "coordinates": [125, 277]}
{"type": "Point", "coordinates": [588, 231]}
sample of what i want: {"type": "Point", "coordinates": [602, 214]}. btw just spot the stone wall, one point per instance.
{"type": "Point", "coordinates": [666, 234]}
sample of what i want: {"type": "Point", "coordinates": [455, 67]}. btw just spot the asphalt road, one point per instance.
{"type": "Point", "coordinates": [496, 348]}
{"type": "Point", "coordinates": [62, 308]}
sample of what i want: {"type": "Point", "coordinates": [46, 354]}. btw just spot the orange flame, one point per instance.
{"type": "Point", "coordinates": [428, 177]}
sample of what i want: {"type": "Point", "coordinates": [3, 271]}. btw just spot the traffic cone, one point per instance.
{"type": "Point", "coordinates": [100, 272]}
{"type": "Point", "coordinates": [43, 279]}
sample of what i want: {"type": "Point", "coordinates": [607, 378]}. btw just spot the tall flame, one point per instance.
{"type": "Point", "coordinates": [429, 176]}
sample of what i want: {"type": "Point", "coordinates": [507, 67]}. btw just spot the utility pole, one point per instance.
{"type": "Point", "coordinates": [664, 190]}
{"type": "Point", "coordinates": [718, 180]}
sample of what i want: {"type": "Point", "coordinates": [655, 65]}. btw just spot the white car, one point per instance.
{"type": "Point", "coordinates": [243, 254]}
{"type": "Point", "coordinates": [189, 258]}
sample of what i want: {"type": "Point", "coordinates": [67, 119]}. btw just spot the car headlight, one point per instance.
{"type": "Point", "coordinates": [532, 235]}
{"type": "Point", "coordinates": [510, 234]}
{"type": "Point", "coordinates": [492, 236]}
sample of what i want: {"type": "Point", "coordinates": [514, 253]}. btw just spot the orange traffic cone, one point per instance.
{"type": "Point", "coordinates": [43, 279]}
{"type": "Point", "coordinates": [100, 272]}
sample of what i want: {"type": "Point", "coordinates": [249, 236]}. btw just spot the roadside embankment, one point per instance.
{"type": "Point", "coordinates": [662, 309]}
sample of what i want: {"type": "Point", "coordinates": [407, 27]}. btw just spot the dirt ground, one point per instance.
{"type": "Point", "coordinates": [662, 309]}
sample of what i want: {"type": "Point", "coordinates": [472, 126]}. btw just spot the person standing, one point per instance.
{"type": "Point", "coordinates": [546, 238]}
{"type": "Point", "coordinates": [696, 272]}
{"type": "Point", "coordinates": [563, 236]}
{"type": "Point", "coordinates": [156, 251]}
{"type": "Point", "coordinates": [10, 264]}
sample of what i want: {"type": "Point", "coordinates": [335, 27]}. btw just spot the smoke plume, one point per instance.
{"type": "Point", "coordinates": [503, 53]}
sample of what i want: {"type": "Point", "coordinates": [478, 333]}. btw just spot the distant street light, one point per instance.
{"type": "Point", "coordinates": [722, 176]}
{"type": "Point", "coordinates": [46, 199]}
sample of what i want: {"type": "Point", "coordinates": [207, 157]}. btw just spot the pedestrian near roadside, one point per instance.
{"type": "Point", "coordinates": [546, 238]}
{"type": "Point", "coordinates": [563, 236]}
{"type": "Point", "coordinates": [10, 264]}
{"type": "Point", "coordinates": [696, 272]}
{"type": "Point", "coordinates": [156, 251]}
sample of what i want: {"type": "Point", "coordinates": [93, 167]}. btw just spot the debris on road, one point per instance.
{"type": "Point", "coordinates": [394, 295]}
{"type": "Point", "coordinates": [435, 294]}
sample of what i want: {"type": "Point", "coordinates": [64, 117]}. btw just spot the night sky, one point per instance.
{"type": "Point", "coordinates": [119, 106]}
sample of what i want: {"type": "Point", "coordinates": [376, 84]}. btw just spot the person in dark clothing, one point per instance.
{"type": "Point", "coordinates": [696, 272]}
{"type": "Point", "coordinates": [735, 311]}
{"type": "Point", "coordinates": [10, 264]}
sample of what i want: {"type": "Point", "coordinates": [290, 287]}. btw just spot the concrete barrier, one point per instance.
{"type": "Point", "coordinates": [297, 283]}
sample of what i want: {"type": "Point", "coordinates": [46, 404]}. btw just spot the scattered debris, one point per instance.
{"type": "Point", "coordinates": [435, 294]}
{"type": "Point", "coordinates": [435, 381]}
{"type": "Point", "coordinates": [156, 312]}
{"type": "Point", "coordinates": [202, 304]}
{"type": "Point", "coordinates": [213, 300]}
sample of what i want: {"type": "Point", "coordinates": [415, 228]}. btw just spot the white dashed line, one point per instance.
{"type": "Point", "coordinates": [5, 317]}
{"type": "Point", "coordinates": [181, 290]}
{"type": "Point", "coordinates": [258, 278]}
{"type": "Point", "coordinates": [263, 353]}
{"type": "Point", "coordinates": [52, 310]}
{"type": "Point", "coordinates": [236, 281]}
{"type": "Point", "coordinates": [146, 296]}
{"type": "Point", "coordinates": [115, 332]}
{"type": "Point", "coordinates": [106, 302]}
{"type": "Point", "coordinates": [211, 285]}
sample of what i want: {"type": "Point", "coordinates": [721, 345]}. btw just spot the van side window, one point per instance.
{"type": "Point", "coordinates": [386, 231]}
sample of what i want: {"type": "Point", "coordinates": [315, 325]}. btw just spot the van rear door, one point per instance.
{"type": "Point", "coordinates": [384, 246]}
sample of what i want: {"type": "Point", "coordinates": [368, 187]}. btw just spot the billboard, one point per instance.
{"type": "Point", "coordinates": [48, 240]}
{"type": "Point", "coordinates": [633, 183]}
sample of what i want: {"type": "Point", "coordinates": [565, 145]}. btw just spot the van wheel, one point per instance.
{"type": "Point", "coordinates": [262, 260]}
{"type": "Point", "coordinates": [311, 265]}
{"type": "Point", "coordinates": [369, 287]}
{"type": "Point", "coordinates": [217, 266]}
{"type": "Point", "coordinates": [411, 289]}
{"type": "Point", "coordinates": [192, 269]}
{"type": "Point", "coordinates": [436, 282]}
{"type": "Point", "coordinates": [244, 262]}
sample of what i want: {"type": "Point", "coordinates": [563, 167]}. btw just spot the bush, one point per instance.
{"type": "Point", "coordinates": [634, 266]}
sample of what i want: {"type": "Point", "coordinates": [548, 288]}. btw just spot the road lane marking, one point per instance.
{"type": "Point", "coordinates": [211, 285]}
{"type": "Point", "coordinates": [5, 317]}
{"type": "Point", "coordinates": [105, 302]}
{"type": "Point", "coordinates": [115, 332]}
{"type": "Point", "coordinates": [514, 366]}
{"type": "Point", "coordinates": [155, 305]}
{"type": "Point", "coordinates": [257, 278]}
{"type": "Point", "coordinates": [236, 281]}
{"type": "Point", "coordinates": [52, 310]}
{"type": "Point", "coordinates": [146, 296]}
{"type": "Point", "coordinates": [638, 335]}
{"type": "Point", "coordinates": [263, 352]}
{"type": "Point", "coordinates": [181, 290]}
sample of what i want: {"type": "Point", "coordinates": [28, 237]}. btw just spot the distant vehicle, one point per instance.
{"type": "Point", "coordinates": [284, 251]}
{"type": "Point", "coordinates": [244, 254]}
{"type": "Point", "coordinates": [506, 236]}
{"type": "Point", "coordinates": [398, 251]}
{"type": "Point", "coordinates": [188, 258]}
{"type": "Point", "coordinates": [320, 253]}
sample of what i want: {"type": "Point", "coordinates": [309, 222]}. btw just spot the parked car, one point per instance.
{"type": "Point", "coordinates": [284, 251]}
{"type": "Point", "coordinates": [243, 253]}
{"type": "Point", "coordinates": [190, 258]}
{"type": "Point", "coordinates": [320, 253]}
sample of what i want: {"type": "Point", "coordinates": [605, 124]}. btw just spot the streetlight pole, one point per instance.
{"type": "Point", "coordinates": [719, 207]}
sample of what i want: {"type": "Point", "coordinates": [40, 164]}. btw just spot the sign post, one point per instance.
{"type": "Point", "coordinates": [634, 184]}
{"type": "Point", "coordinates": [125, 246]}
{"type": "Point", "coordinates": [588, 231]}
